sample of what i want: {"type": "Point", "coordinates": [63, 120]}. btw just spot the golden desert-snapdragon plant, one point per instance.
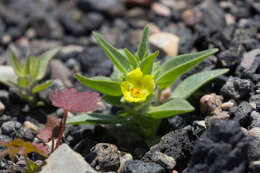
{"type": "Point", "coordinates": [134, 81]}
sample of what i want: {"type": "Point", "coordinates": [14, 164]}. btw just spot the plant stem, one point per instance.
{"type": "Point", "coordinates": [52, 143]}
{"type": "Point", "coordinates": [62, 129]}
{"type": "Point", "coordinates": [12, 166]}
{"type": "Point", "coordinates": [158, 96]}
{"type": "Point", "coordinates": [27, 163]}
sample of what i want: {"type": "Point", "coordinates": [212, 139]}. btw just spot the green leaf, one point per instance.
{"type": "Point", "coordinates": [95, 118]}
{"type": "Point", "coordinates": [170, 108]}
{"type": "Point", "coordinates": [27, 66]}
{"type": "Point", "coordinates": [32, 167]}
{"type": "Point", "coordinates": [143, 45]}
{"type": "Point", "coordinates": [42, 86]}
{"type": "Point", "coordinates": [7, 75]}
{"type": "Point", "coordinates": [34, 67]}
{"type": "Point", "coordinates": [102, 84]}
{"type": "Point", "coordinates": [113, 100]}
{"type": "Point", "coordinates": [24, 82]}
{"type": "Point", "coordinates": [119, 60]}
{"type": "Point", "coordinates": [131, 58]}
{"type": "Point", "coordinates": [147, 63]}
{"type": "Point", "coordinates": [156, 69]}
{"type": "Point", "coordinates": [16, 64]}
{"type": "Point", "coordinates": [175, 67]}
{"type": "Point", "coordinates": [116, 75]}
{"type": "Point", "coordinates": [194, 82]}
{"type": "Point", "coordinates": [43, 62]}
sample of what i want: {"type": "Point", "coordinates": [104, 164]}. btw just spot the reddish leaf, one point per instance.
{"type": "Point", "coordinates": [48, 132]}
{"type": "Point", "coordinates": [42, 147]}
{"type": "Point", "coordinates": [19, 146]}
{"type": "Point", "coordinates": [73, 101]}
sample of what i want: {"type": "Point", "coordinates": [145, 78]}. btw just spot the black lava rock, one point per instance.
{"type": "Point", "coordinates": [177, 144]}
{"type": "Point", "coordinates": [249, 63]}
{"type": "Point", "coordinates": [104, 156]}
{"type": "Point", "coordinates": [138, 166]}
{"type": "Point", "coordinates": [229, 57]}
{"type": "Point", "coordinates": [255, 119]}
{"type": "Point", "coordinates": [100, 5]}
{"type": "Point", "coordinates": [95, 62]}
{"type": "Point", "coordinates": [254, 167]}
{"type": "Point", "coordinates": [92, 21]}
{"type": "Point", "coordinates": [222, 148]}
{"type": "Point", "coordinates": [237, 88]}
{"type": "Point", "coordinates": [241, 113]}
{"type": "Point", "coordinates": [212, 16]}
{"type": "Point", "coordinates": [254, 148]}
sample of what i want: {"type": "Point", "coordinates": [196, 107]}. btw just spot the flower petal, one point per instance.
{"type": "Point", "coordinates": [149, 83]}
{"type": "Point", "coordinates": [134, 76]}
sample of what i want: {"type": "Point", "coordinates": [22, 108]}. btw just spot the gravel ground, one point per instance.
{"type": "Point", "coordinates": [222, 135]}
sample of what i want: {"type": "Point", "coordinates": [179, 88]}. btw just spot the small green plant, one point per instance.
{"type": "Point", "coordinates": [29, 74]}
{"type": "Point", "coordinates": [21, 147]}
{"type": "Point", "coordinates": [134, 80]}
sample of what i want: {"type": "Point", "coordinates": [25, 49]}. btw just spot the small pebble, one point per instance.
{"type": "Point", "coordinates": [123, 160]}
{"type": "Point", "coordinates": [227, 105]}
{"type": "Point", "coordinates": [29, 125]}
{"type": "Point", "coordinates": [211, 103]}
{"type": "Point", "coordinates": [255, 132]}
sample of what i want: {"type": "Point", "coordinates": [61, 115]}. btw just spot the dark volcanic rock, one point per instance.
{"type": "Point", "coordinates": [255, 119]}
{"type": "Point", "coordinates": [2, 28]}
{"type": "Point", "coordinates": [229, 57]}
{"type": "Point", "coordinates": [110, 7]}
{"type": "Point", "coordinates": [177, 144]}
{"type": "Point", "coordinates": [254, 148]}
{"type": "Point", "coordinates": [92, 21]}
{"type": "Point", "coordinates": [212, 16]}
{"type": "Point", "coordinates": [138, 166]}
{"type": "Point", "coordinates": [249, 63]}
{"type": "Point", "coordinates": [241, 113]}
{"type": "Point", "coordinates": [237, 88]}
{"type": "Point", "coordinates": [105, 157]}
{"type": "Point", "coordinates": [95, 62]}
{"type": "Point", "coordinates": [222, 148]}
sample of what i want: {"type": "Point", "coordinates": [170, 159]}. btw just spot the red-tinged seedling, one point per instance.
{"type": "Point", "coordinates": [21, 147]}
{"type": "Point", "coordinates": [70, 100]}
{"type": "Point", "coordinates": [49, 132]}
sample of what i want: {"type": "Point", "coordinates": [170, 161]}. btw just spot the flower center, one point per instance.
{"type": "Point", "coordinates": [136, 92]}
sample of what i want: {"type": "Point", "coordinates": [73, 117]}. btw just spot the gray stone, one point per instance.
{"type": "Point", "coordinates": [123, 161]}
{"type": "Point", "coordinates": [255, 101]}
{"type": "Point", "coordinates": [164, 160]}
{"type": "Point", "coordinates": [10, 127]}
{"type": "Point", "coordinates": [65, 160]}
{"type": "Point", "coordinates": [249, 63]}
{"type": "Point", "coordinates": [254, 167]}
{"type": "Point", "coordinates": [255, 116]}
{"type": "Point", "coordinates": [2, 108]}
{"type": "Point", "coordinates": [138, 166]}
{"type": "Point", "coordinates": [60, 71]}
{"type": "Point", "coordinates": [104, 156]}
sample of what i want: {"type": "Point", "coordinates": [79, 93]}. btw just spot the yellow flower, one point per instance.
{"type": "Point", "coordinates": [137, 86]}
